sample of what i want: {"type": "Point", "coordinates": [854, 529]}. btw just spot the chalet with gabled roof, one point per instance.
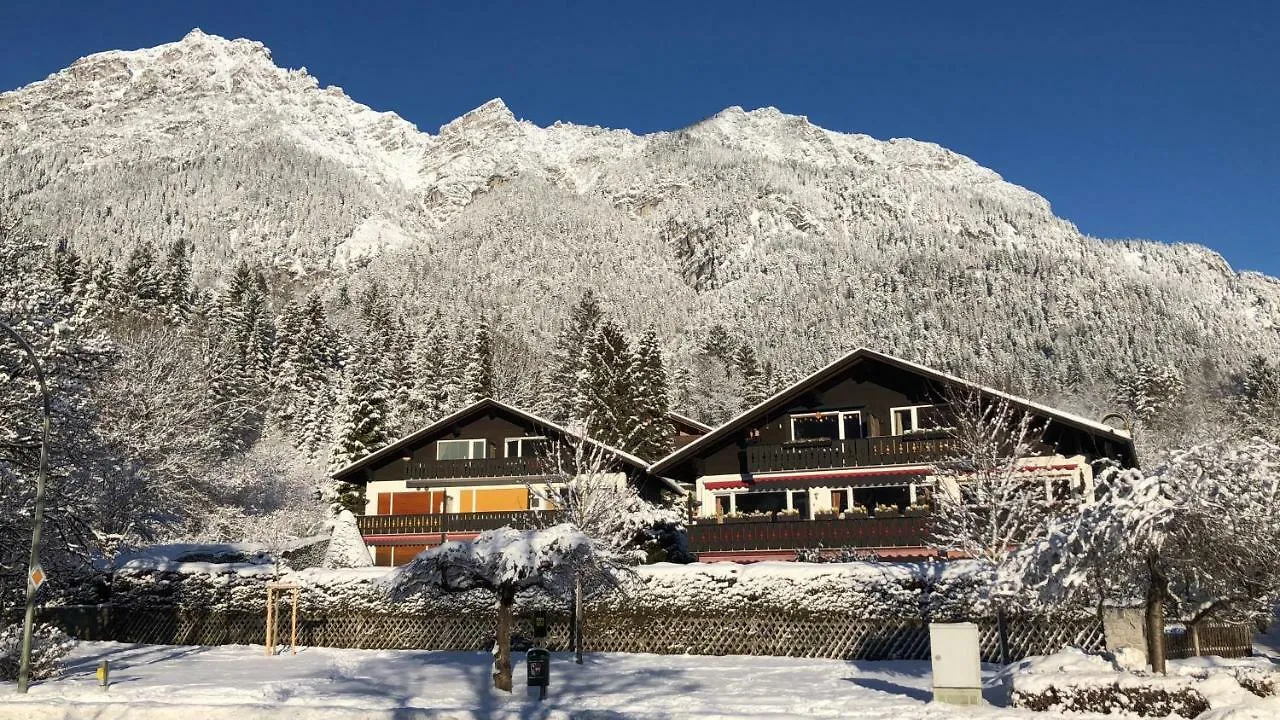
{"type": "Point", "coordinates": [479, 468]}
{"type": "Point", "coordinates": [846, 457]}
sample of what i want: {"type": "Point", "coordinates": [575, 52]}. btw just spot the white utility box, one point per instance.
{"type": "Point", "coordinates": [957, 670]}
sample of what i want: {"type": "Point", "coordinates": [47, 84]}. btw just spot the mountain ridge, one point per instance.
{"type": "Point", "coordinates": [805, 241]}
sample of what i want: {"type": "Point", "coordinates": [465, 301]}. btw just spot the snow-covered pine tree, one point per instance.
{"type": "Point", "coordinates": [559, 386]}
{"type": "Point", "coordinates": [477, 382]}
{"type": "Point", "coordinates": [362, 417]}
{"type": "Point", "coordinates": [605, 408]}
{"type": "Point", "coordinates": [719, 344]}
{"type": "Point", "coordinates": [1257, 409]}
{"type": "Point", "coordinates": [750, 376]}
{"type": "Point", "coordinates": [177, 292]}
{"type": "Point", "coordinates": [286, 385]}
{"type": "Point", "coordinates": [139, 279]}
{"type": "Point", "coordinates": [428, 394]}
{"type": "Point", "coordinates": [650, 399]}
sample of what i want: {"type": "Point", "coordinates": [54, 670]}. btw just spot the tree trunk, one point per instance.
{"type": "Point", "coordinates": [577, 619]}
{"type": "Point", "coordinates": [1155, 623]}
{"type": "Point", "coordinates": [1002, 635]}
{"type": "Point", "coordinates": [1194, 629]}
{"type": "Point", "coordinates": [502, 661]}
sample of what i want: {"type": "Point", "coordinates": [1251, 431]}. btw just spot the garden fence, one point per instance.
{"type": "Point", "coordinates": [792, 635]}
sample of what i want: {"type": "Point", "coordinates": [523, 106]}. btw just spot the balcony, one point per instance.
{"type": "Point", "coordinates": [480, 468]}
{"type": "Point", "coordinates": [372, 525]}
{"type": "Point", "coordinates": [709, 536]}
{"type": "Point", "coordinates": [861, 452]}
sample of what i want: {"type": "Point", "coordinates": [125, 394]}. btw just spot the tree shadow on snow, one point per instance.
{"type": "Point", "coordinates": [893, 688]}
{"type": "Point", "coordinates": [572, 687]}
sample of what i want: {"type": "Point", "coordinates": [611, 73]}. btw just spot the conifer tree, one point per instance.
{"type": "Point", "coordinates": [750, 377]}
{"type": "Point", "coordinates": [139, 280]}
{"type": "Point", "coordinates": [719, 344]}
{"type": "Point", "coordinates": [362, 422]}
{"type": "Point", "coordinates": [559, 387]}
{"type": "Point", "coordinates": [650, 399]}
{"type": "Point", "coordinates": [428, 393]}
{"type": "Point", "coordinates": [604, 408]}
{"type": "Point", "coordinates": [477, 382]}
{"type": "Point", "coordinates": [177, 291]}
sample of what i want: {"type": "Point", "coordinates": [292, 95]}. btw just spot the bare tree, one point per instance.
{"type": "Point", "coordinates": [988, 503]}
{"type": "Point", "coordinates": [1198, 535]}
{"type": "Point", "coordinates": [586, 489]}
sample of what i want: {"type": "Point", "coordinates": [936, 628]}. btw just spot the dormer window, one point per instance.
{"type": "Point", "coordinates": [912, 418]}
{"type": "Point", "coordinates": [471, 449]}
{"type": "Point", "coordinates": [532, 446]}
{"type": "Point", "coordinates": [835, 425]}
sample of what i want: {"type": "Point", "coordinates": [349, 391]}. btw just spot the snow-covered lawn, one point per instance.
{"type": "Point", "coordinates": [191, 683]}
{"type": "Point", "coordinates": [240, 682]}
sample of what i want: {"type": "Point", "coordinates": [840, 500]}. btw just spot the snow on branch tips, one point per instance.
{"type": "Point", "coordinates": [504, 562]}
{"type": "Point", "coordinates": [1198, 535]}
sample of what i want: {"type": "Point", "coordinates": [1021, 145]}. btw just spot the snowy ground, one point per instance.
{"type": "Point", "coordinates": [150, 681]}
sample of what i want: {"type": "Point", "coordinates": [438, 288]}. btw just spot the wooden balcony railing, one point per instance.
{"type": "Point", "coordinates": [709, 536]}
{"type": "Point", "coordinates": [861, 452]}
{"type": "Point", "coordinates": [481, 467]}
{"type": "Point", "coordinates": [452, 522]}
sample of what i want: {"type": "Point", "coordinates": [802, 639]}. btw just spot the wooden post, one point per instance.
{"type": "Point", "coordinates": [577, 618]}
{"type": "Point", "coordinates": [273, 615]}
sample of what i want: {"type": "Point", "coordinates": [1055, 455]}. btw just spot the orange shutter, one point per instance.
{"type": "Point", "coordinates": [384, 503]}
{"type": "Point", "coordinates": [502, 500]}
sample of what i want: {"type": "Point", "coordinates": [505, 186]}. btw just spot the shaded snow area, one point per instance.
{"type": "Point", "coordinates": [239, 682]}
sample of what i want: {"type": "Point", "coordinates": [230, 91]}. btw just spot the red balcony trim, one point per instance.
{"type": "Point", "coordinates": [840, 474]}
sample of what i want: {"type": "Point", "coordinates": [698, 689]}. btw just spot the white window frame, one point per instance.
{"type": "Point", "coordinates": [506, 450]}
{"type": "Point", "coordinates": [839, 420]}
{"type": "Point", "coordinates": [473, 443]}
{"type": "Point", "coordinates": [896, 427]}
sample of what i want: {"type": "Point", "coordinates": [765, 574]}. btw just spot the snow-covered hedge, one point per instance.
{"type": "Point", "coordinates": [49, 646]}
{"type": "Point", "coordinates": [940, 591]}
{"type": "Point", "coordinates": [1073, 681]}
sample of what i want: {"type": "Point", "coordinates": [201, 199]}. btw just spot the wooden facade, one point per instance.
{"type": "Point", "coordinates": [484, 467]}
{"type": "Point", "coordinates": [852, 445]}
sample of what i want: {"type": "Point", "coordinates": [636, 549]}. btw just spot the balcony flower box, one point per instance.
{"type": "Point", "coordinates": [887, 511]}
{"type": "Point", "coordinates": [789, 516]}
{"type": "Point", "coordinates": [826, 514]}
{"type": "Point", "coordinates": [917, 510]}
{"type": "Point", "coordinates": [856, 512]}
{"type": "Point", "coordinates": [732, 518]}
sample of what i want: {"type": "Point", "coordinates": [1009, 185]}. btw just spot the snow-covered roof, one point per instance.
{"type": "Point", "coordinates": [491, 404]}
{"type": "Point", "coordinates": [739, 421]}
{"type": "Point", "coordinates": [686, 420]}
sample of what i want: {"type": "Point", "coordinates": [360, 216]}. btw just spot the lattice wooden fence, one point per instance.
{"type": "Point", "coordinates": [810, 636]}
{"type": "Point", "coordinates": [1215, 639]}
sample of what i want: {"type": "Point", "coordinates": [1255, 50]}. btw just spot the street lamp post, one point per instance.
{"type": "Point", "coordinates": [28, 623]}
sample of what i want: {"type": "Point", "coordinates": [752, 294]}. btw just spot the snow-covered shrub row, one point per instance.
{"type": "Point", "coordinates": [49, 646]}
{"type": "Point", "coordinates": [1073, 681]}
{"type": "Point", "coordinates": [944, 591]}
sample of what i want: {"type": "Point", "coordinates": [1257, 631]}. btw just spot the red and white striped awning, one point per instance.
{"type": "Point", "coordinates": [817, 477]}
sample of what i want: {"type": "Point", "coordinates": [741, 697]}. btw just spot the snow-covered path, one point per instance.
{"type": "Point", "coordinates": [239, 682]}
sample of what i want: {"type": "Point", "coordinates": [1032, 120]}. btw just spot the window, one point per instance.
{"type": "Point", "coordinates": [460, 449]}
{"type": "Point", "coordinates": [912, 418]}
{"type": "Point", "coordinates": [533, 446]}
{"type": "Point", "coordinates": [838, 425]}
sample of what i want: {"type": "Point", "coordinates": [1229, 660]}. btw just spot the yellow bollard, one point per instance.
{"type": "Point", "coordinates": [104, 670]}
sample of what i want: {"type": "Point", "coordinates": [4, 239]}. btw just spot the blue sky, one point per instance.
{"type": "Point", "coordinates": [1135, 119]}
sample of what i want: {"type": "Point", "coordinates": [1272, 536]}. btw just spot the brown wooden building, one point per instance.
{"type": "Point", "coordinates": [845, 457]}
{"type": "Point", "coordinates": [485, 466]}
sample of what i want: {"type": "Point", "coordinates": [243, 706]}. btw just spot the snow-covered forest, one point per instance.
{"type": "Point", "coordinates": [238, 279]}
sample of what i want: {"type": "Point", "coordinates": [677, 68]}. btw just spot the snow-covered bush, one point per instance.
{"type": "Point", "coordinates": [49, 646]}
{"type": "Point", "coordinates": [1074, 681]}
{"type": "Point", "coordinates": [346, 545]}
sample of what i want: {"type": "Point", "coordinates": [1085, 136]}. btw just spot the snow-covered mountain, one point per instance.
{"type": "Point", "coordinates": [801, 240]}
